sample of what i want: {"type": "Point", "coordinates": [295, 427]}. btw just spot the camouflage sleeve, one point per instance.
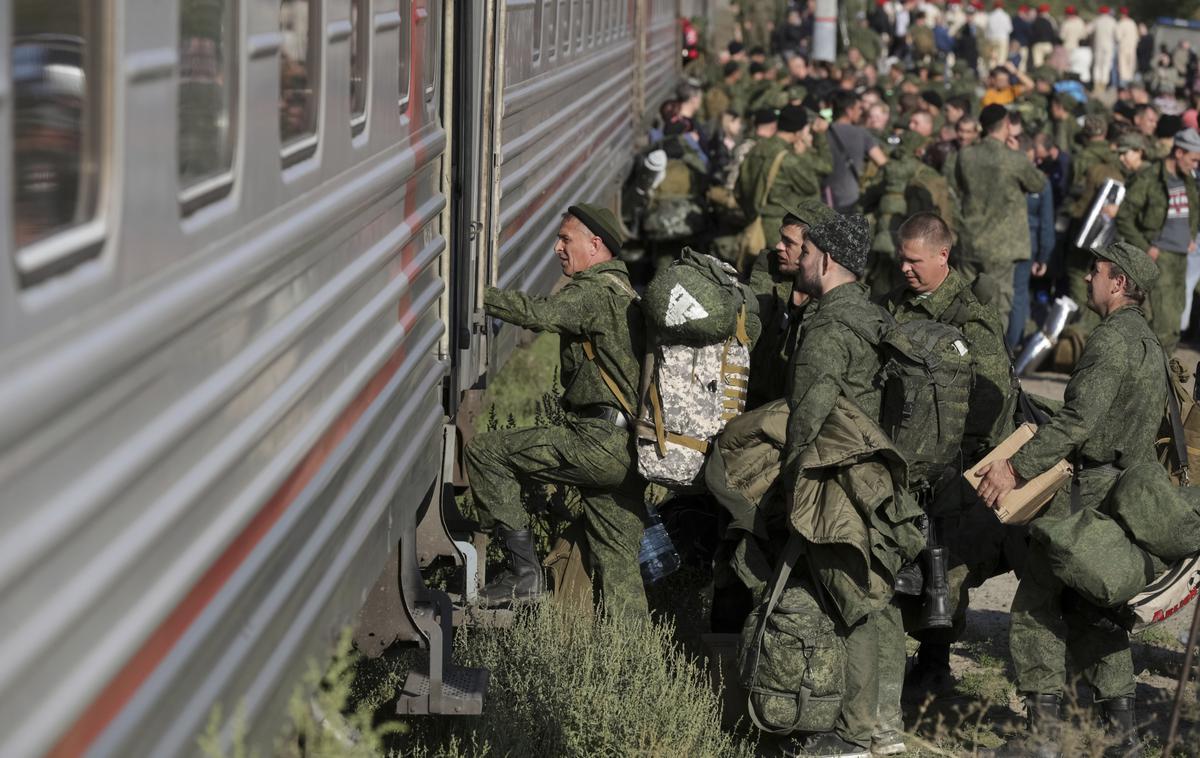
{"type": "Point", "coordinates": [568, 311]}
{"type": "Point", "coordinates": [822, 154]}
{"type": "Point", "coordinates": [816, 384]}
{"type": "Point", "coordinates": [1127, 214]}
{"type": "Point", "coordinates": [1089, 395]}
{"type": "Point", "coordinates": [797, 181]}
{"type": "Point", "coordinates": [1030, 178]}
{"type": "Point", "coordinates": [989, 415]}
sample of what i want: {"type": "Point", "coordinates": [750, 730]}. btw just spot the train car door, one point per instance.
{"type": "Point", "coordinates": [470, 59]}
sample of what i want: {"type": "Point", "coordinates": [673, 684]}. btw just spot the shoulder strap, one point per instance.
{"type": "Point", "coordinates": [845, 155]}
{"type": "Point", "coordinates": [589, 350]}
{"type": "Point", "coordinates": [773, 172]}
{"type": "Point", "coordinates": [791, 553]}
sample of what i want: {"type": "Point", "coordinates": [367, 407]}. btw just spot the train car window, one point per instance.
{"type": "Point", "coordinates": [206, 99]}
{"type": "Point", "coordinates": [405, 53]}
{"type": "Point", "coordinates": [359, 62]}
{"type": "Point", "coordinates": [56, 122]}
{"type": "Point", "coordinates": [564, 27]}
{"type": "Point", "coordinates": [299, 77]}
{"type": "Point", "coordinates": [432, 49]}
{"type": "Point", "coordinates": [537, 30]}
{"type": "Point", "coordinates": [548, 27]}
{"type": "Point", "coordinates": [577, 22]}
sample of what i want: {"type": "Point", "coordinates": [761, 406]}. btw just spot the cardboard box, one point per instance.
{"type": "Point", "coordinates": [1028, 499]}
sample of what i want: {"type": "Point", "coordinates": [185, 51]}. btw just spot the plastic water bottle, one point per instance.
{"type": "Point", "coordinates": [656, 555]}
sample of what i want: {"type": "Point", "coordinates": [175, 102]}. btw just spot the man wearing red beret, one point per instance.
{"type": "Point", "coordinates": [1127, 42]}
{"type": "Point", "coordinates": [1072, 31]}
{"type": "Point", "coordinates": [1104, 43]}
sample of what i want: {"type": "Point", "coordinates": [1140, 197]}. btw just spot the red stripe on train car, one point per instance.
{"type": "Point", "coordinates": [122, 687]}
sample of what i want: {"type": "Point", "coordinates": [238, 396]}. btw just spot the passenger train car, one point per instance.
{"type": "Point", "coordinates": [245, 247]}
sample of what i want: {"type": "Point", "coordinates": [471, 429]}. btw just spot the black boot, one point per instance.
{"type": "Point", "coordinates": [909, 579]}
{"type": "Point", "coordinates": [1045, 731]}
{"type": "Point", "coordinates": [930, 676]}
{"type": "Point", "coordinates": [935, 605]}
{"type": "Point", "coordinates": [523, 580]}
{"type": "Point", "coordinates": [1121, 727]}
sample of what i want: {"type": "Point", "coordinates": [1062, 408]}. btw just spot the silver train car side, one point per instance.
{"type": "Point", "coordinates": [247, 241]}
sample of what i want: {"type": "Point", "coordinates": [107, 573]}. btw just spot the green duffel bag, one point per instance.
{"type": "Point", "coordinates": [793, 661]}
{"type": "Point", "coordinates": [694, 301]}
{"type": "Point", "coordinates": [1090, 553]}
{"type": "Point", "coordinates": [1160, 517]}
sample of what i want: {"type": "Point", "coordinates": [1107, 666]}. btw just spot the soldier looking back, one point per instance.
{"type": "Point", "coordinates": [1112, 408]}
{"type": "Point", "coordinates": [592, 450]}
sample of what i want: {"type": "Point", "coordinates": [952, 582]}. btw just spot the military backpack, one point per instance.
{"type": "Point", "coordinates": [793, 661]}
{"type": "Point", "coordinates": [926, 380]}
{"type": "Point", "coordinates": [695, 377]}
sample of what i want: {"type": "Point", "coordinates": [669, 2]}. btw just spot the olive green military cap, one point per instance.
{"type": "Point", "coordinates": [1132, 141]}
{"type": "Point", "coordinates": [1044, 74]}
{"type": "Point", "coordinates": [809, 212]}
{"type": "Point", "coordinates": [601, 222]}
{"type": "Point", "coordinates": [1134, 261]}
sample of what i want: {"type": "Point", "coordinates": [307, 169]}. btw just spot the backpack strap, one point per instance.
{"type": "Point", "coordinates": [787, 563]}
{"type": "Point", "coordinates": [589, 350]}
{"type": "Point", "coordinates": [773, 173]}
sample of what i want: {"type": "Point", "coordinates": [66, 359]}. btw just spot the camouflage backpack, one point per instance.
{"type": "Point", "coordinates": [793, 660]}
{"type": "Point", "coordinates": [926, 379]}
{"type": "Point", "coordinates": [677, 206]}
{"type": "Point", "coordinates": [694, 380]}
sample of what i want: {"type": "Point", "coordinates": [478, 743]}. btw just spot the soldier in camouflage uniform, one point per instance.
{"type": "Point", "coordinates": [1161, 213]}
{"type": "Point", "coordinates": [592, 451]}
{"type": "Point", "coordinates": [885, 199]}
{"type": "Point", "coordinates": [832, 360]}
{"type": "Point", "coordinates": [992, 180]}
{"type": "Point", "coordinates": [799, 175]}
{"type": "Point", "coordinates": [780, 304]}
{"type": "Point", "coordinates": [1109, 420]}
{"type": "Point", "coordinates": [980, 547]}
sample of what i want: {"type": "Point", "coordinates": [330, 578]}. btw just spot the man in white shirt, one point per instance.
{"type": "Point", "coordinates": [999, 29]}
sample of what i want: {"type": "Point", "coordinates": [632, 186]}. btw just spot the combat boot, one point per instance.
{"type": "Point", "coordinates": [909, 579]}
{"type": "Point", "coordinates": [823, 745]}
{"type": "Point", "coordinates": [523, 580]}
{"type": "Point", "coordinates": [1045, 731]}
{"type": "Point", "coordinates": [930, 676]}
{"type": "Point", "coordinates": [1120, 725]}
{"type": "Point", "coordinates": [935, 603]}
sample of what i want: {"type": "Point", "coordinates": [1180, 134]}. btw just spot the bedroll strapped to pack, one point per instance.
{"type": "Point", "coordinates": [695, 378]}
{"type": "Point", "coordinates": [792, 659]}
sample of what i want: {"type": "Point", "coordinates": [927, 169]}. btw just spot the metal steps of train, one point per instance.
{"type": "Point", "coordinates": [461, 693]}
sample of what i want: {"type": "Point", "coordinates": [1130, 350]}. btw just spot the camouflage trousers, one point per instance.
{"type": "Point", "coordinates": [1167, 299]}
{"type": "Point", "coordinates": [1049, 621]}
{"type": "Point", "coordinates": [592, 455]}
{"type": "Point", "coordinates": [874, 676]}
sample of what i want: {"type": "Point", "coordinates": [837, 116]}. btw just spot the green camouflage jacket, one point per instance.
{"type": "Point", "coordinates": [992, 402]}
{"type": "Point", "coordinates": [780, 320]}
{"type": "Point", "coordinates": [1144, 209]}
{"type": "Point", "coordinates": [592, 305]}
{"type": "Point", "coordinates": [992, 181]}
{"type": "Point", "coordinates": [1090, 155]}
{"type": "Point", "coordinates": [832, 360]}
{"type": "Point", "coordinates": [1113, 403]}
{"type": "Point", "coordinates": [799, 179]}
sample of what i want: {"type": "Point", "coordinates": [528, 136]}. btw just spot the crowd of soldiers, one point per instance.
{"type": "Point", "coordinates": [940, 169]}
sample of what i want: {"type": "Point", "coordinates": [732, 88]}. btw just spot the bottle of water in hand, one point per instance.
{"type": "Point", "coordinates": [656, 555]}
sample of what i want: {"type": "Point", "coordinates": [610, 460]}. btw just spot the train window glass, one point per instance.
{"type": "Point", "coordinates": [537, 30]}
{"type": "Point", "coordinates": [359, 61]}
{"type": "Point", "coordinates": [206, 98]}
{"type": "Point", "coordinates": [299, 75]}
{"type": "Point", "coordinates": [432, 51]}
{"type": "Point", "coordinates": [577, 22]}
{"type": "Point", "coordinates": [56, 123]}
{"type": "Point", "coordinates": [405, 53]}
{"type": "Point", "coordinates": [564, 27]}
{"type": "Point", "coordinates": [548, 27]}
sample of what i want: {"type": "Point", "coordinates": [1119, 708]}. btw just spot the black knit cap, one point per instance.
{"type": "Point", "coordinates": [601, 222]}
{"type": "Point", "coordinates": [846, 239]}
{"type": "Point", "coordinates": [792, 118]}
{"type": "Point", "coordinates": [730, 68]}
{"type": "Point", "coordinates": [992, 115]}
{"type": "Point", "coordinates": [765, 116]}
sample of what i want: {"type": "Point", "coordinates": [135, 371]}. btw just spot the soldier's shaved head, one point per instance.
{"type": "Point", "coordinates": [927, 227]}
